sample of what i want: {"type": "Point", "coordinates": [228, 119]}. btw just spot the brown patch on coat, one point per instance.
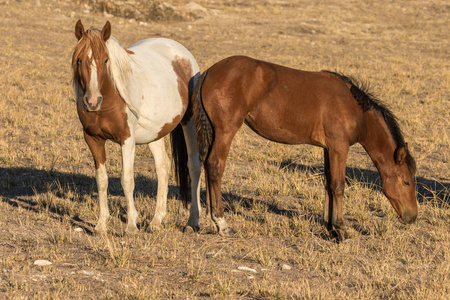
{"type": "Point", "coordinates": [183, 69]}
{"type": "Point", "coordinates": [168, 127]}
{"type": "Point", "coordinates": [110, 122]}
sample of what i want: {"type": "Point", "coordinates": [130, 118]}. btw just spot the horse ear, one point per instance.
{"type": "Point", "coordinates": [79, 30]}
{"type": "Point", "coordinates": [106, 31]}
{"type": "Point", "coordinates": [400, 154]}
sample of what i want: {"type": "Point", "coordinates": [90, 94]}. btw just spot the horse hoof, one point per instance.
{"type": "Point", "coordinates": [100, 230]}
{"type": "Point", "coordinates": [340, 234]}
{"type": "Point", "coordinates": [226, 232]}
{"type": "Point", "coordinates": [188, 229]}
{"type": "Point", "coordinates": [154, 227]}
{"type": "Point", "coordinates": [131, 230]}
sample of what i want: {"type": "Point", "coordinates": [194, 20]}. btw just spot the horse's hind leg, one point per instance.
{"type": "Point", "coordinates": [162, 165]}
{"type": "Point", "coordinates": [335, 162]}
{"type": "Point", "coordinates": [195, 169]}
{"type": "Point", "coordinates": [214, 168]}
{"type": "Point", "coordinates": [328, 205]}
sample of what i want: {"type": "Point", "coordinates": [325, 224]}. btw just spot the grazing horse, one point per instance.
{"type": "Point", "coordinates": [290, 106]}
{"type": "Point", "coordinates": [137, 96]}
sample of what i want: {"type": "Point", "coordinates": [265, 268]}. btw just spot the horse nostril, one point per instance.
{"type": "Point", "coordinates": [409, 217]}
{"type": "Point", "coordinates": [99, 99]}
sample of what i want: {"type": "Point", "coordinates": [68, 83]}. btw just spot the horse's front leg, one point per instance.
{"type": "Point", "coordinates": [162, 165]}
{"type": "Point", "coordinates": [97, 147]}
{"type": "Point", "coordinates": [335, 178]}
{"type": "Point", "coordinates": [127, 180]}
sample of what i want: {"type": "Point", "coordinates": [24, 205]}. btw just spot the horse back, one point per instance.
{"type": "Point", "coordinates": [166, 72]}
{"type": "Point", "coordinates": [283, 104]}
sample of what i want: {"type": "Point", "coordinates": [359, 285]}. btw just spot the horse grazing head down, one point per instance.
{"type": "Point", "coordinates": [89, 63]}
{"type": "Point", "coordinates": [399, 185]}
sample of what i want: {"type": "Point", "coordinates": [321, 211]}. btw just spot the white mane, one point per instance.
{"type": "Point", "coordinates": [119, 68]}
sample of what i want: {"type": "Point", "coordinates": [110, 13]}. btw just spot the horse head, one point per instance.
{"type": "Point", "coordinates": [399, 186]}
{"type": "Point", "coordinates": [89, 63]}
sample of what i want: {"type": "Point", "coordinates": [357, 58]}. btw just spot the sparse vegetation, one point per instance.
{"type": "Point", "coordinates": [273, 193]}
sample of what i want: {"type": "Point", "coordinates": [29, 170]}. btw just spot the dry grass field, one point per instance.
{"type": "Point", "coordinates": [273, 193]}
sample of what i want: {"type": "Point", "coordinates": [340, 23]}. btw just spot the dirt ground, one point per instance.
{"type": "Point", "coordinates": [273, 193]}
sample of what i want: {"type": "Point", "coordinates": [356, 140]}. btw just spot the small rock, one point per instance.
{"type": "Point", "coordinates": [285, 267]}
{"type": "Point", "coordinates": [194, 6]}
{"type": "Point", "coordinates": [247, 269]}
{"type": "Point", "coordinates": [78, 229]}
{"type": "Point", "coordinates": [107, 15]}
{"type": "Point", "coordinates": [88, 273]}
{"type": "Point", "coordinates": [42, 262]}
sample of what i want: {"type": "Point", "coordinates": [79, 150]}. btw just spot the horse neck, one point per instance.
{"type": "Point", "coordinates": [379, 143]}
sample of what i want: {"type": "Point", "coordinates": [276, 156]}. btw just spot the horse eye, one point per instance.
{"type": "Point", "coordinates": [79, 61]}
{"type": "Point", "coordinates": [406, 183]}
{"type": "Point", "coordinates": [106, 60]}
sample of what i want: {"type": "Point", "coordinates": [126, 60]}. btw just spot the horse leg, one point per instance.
{"type": "Point", "coordinates": [214, 168]}
{"type": "Point", "coordinates": [162, 165]}
{"type": "Point", "coordinates": [97, 147]}
{"type": "Point", "coordinates": [195, 169]}
{"type": "Point", "coordinates": [127, 180]}
{"type": "Point", "coordinates": [337, 162]}
{"type": "Point", "coordinates": [328, 205]}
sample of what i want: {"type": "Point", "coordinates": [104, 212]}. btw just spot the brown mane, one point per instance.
{"type": "Point", "coordinates": [368, 101]}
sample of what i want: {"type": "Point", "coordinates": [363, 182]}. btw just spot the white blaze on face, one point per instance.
{"type": "Point", "coordinates": [93, 84]}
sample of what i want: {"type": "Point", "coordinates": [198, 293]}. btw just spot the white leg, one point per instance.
{"type": "Point", "coordinates": [102, 186]}
{"type": "Point", "coordinates": [128, 153]}
{"type": "Point", "coordinates": [195, 170]}
{"type": "Point", "coordinates": [162, 165]}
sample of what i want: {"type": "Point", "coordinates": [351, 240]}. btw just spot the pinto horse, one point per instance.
{"type": "Point", "coordinates": [290, 106]}
{"type": "Point", "coordinates": [137, 96]}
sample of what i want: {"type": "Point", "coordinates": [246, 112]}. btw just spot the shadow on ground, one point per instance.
{"type": "Point", "coordinates": [20, 185]}
{"type": "Point", "coordinates": [427, 189]}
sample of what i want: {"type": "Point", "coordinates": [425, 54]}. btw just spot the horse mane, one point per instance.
{"type": "Point", "coordinates": [119, 69]}
{"type": "Point", "coordinates": [368, 101]}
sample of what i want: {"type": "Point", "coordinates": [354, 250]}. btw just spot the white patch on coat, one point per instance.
{"type": "Point", "coordinates": [93, 85]}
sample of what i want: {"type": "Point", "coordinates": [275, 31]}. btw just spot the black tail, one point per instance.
{"type": "Point", "coordinates": [205, 131]}
{"type": "Point", "coordinates": [180, 160]}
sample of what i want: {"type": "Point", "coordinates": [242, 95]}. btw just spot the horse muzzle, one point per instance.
{"type": "Point", "coordinates": [408, 217]}
{"type": "Point", "coordinates": [92, 103]}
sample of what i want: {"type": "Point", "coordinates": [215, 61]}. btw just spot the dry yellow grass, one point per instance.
{"type": "Point", "coordinates": [273, 193]}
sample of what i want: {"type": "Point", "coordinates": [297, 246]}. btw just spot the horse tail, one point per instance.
{"type": "Point", "coordinates": [180, 160]}
{"type": "Point", "coordinates": [205, 130]}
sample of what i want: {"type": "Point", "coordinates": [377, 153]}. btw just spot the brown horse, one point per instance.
{"type": "Point", "coordinates": [290, 106]}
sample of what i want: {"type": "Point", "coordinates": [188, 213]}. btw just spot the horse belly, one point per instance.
{"type": "Point", "coordinates": [287, 130]}
{"type": "Point", "coordinates": [159, 117]}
